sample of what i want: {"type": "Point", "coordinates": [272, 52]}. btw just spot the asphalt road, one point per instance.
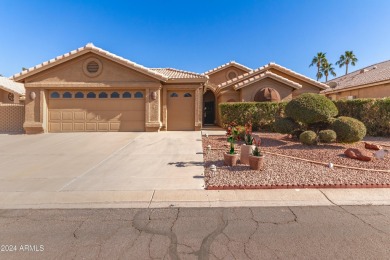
{"type": "Point", "coordinates": [354, 232]}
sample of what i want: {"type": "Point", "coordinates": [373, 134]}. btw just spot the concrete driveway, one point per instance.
{"type": "Point", "coordinates": [101, 162]}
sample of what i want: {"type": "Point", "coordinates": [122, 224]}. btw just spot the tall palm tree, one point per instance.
{"type": "Point", "coordinates": [347, 58]}
{"type": "Point", "coordinates": [327, 68]}
{"type": "Point", "coordinates": [318, 60]}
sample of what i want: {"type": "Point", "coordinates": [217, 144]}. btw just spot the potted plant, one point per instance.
{"type": "Point", "coordinates": [256, 158]}
{"type": "Point", "coordinates": [247, 148]}
{"type": "Point", "coordinates": [231, 157]}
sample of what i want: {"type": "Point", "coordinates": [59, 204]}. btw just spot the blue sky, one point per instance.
{"type": "Point", "coordinates": [196, 35]}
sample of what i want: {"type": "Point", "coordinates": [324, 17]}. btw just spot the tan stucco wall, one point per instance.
{"type": "Point", "coordinates": [221, 76]}
{"type": "Point", "coordinates": [4, 97]}
{"type": "Point", "coordinates": [11, 118]}
{"type": "Point", "coordinates": [306, 87]}
{"type": "Point", "coordinates": [378, 91]}
{"type": "Point", "coordinates": [248, 93]}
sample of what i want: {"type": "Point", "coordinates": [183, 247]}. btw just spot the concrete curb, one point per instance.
{"type": "Point", "coordinates": [194, 198]}
{"type": "Point", "coordinates": [298, 186]}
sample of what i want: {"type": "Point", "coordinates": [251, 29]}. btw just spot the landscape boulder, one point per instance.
{"type": "Point", "coordinates": [372, 146]}
{"type": "Point", "coordinates": [358, 154]}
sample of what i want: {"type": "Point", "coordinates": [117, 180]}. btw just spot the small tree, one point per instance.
{"type": "Point", "coordinates": [345, 59]}
{"type": "Point", "coordinates": [317, 61]}
{"type": "Point", "coordinates": [327, 68]}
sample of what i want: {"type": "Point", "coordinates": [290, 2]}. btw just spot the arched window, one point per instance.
{"type": "Point", "coordinates": [187, 95]}
{"type": "Point", "coordinates": [91, 95]}
{"type": "Point", "coordinates": [79, 95]}
{"type": "Point", "coordinates": [55, 95]}
{"type": "Point", "coordinates": [138, 95]}
{"type": "Point", "coordinates": [174, 94]}
{"type": "Point", "coordinates": [103, 95]}
{"type": "Point", "coordinates": [126, 95]}
{"type": "Point", "coordinates": [267, 95]}
{"type": "Point", "coordinates": [67, 95]}
{"type": "Point", "coordinates": [114, 95]}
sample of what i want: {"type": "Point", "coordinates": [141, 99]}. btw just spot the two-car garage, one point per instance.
{"type": "Point", "coordinates": [91, 111]}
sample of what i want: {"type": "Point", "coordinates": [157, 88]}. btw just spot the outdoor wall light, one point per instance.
{"type": "Point", "coordinates": [213, 168]}
{"type": "Point", "coordinates": [208, 148]}
{"type": "Point", "coordinates": [207, 135]}
{"type": "Point", "coordinates": [154, 95]}
{"type": "Point", "coordinates": [33, 95]}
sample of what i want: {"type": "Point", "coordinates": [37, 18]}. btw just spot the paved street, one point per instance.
{"type": "Point", "coordinates": [327, 232]}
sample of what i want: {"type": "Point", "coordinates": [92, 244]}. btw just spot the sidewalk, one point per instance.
{"type": "Point", "coordinates": [193, 198]}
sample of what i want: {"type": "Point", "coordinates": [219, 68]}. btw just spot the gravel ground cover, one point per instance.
{"type": "Point", "coordinates": [279, 170]}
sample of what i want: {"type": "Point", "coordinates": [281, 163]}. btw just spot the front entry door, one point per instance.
{"type": "Point", "coordinates": [208, 112]}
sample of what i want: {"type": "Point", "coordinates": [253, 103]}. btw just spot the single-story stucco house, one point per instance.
{"type": "Point", "coordinates": [370, 82]}
{"type": "Point", "coordinates": [90, 89]}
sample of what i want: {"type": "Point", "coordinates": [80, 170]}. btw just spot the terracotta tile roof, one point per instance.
{"type": "Point", "coordinates": [85, 49]}
{"type": "Point", "coordinates": [232, 63]}
{"type": "Point", "coordinates": [368, 75]}
{"type": "Point", "coordinates": [178, 74]}
{"type": "Point", "coordinates": [12, 86]}
{"type": "Point", "coordinates": [267, 67]}
{"type": "Point", "coordinates": [266, 74]}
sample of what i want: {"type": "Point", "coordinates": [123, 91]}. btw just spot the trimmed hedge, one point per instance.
{"type": "Point", "coordinates": [327, 136]}
{"type": "Point", "coordinates": [261, 114]}
{"type": "Point", "coordinates": [374, 113]}
{"type": "Point", "coordinates": [348, 129]}
{"type": "Point", "coordinates": [311, 108]}
{"type": "Point", "coordinates": [308, 138]}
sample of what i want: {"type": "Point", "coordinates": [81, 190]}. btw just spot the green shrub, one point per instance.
{"type": "Point", "coordinates": [374, 113]}
{"type": "Point", "coordinates": [348, 129]}
{"type": "Point", "coordinates": [286, 125]}
{"type": "Point", "coordinates": [308, 137]}
{"type": "Point", "coordinates": [311, 108]}
{"type": "Point", "coordinates": [327, 136]}
{"type": "Point", "coordinates": [261, 114]}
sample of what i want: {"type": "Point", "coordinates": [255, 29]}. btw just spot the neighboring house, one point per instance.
{"type": "Point", "coordinates": [90, 89]}
{"type": "Point", "coordinates": [233, 82]}
{"type": "Point", "coordinates": [370, 82]}
{"type": "Point", "coordinates": [11, 92]}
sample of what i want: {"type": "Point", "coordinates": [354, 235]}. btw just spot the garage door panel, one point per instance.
{"type": "Point", "coordinates": [67, 127]}
{"type": "Point", "coordinates": [55, 115]}
{"type": "Point", "coordinates": [79, 115]}
{"type": "Point", "coordinates": [79, 127]}
{"type": "Point", "coordinates": [102, 126]}
{"type": "Point", "coordinates": [138, 126]}
{"type": "Point", "coordinates": [67, 115]}
{"type": "Point", "coordinates": [91, 127]}
{"type": "Point", "coordinates": [55, 127]}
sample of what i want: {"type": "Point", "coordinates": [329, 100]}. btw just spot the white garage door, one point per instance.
{"type": "Point", "coordinates": [106, 111]}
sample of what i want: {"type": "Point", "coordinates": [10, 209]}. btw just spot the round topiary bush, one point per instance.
{"type": "Point", "coordinates": [285, 125]}
{"type": "Point", "coordinates": [327, 136]}
{"type": "Point", "coordinates": [311, 108]}
{"type": "Point", "coordinates": [348, 129]}
{"type": "Point", "coordinates": [308, 137]}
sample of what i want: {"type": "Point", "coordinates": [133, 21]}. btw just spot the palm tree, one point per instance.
{"type": "Point", "coordinates": [318, 60]}
{"type": "Point", "coordinates": [347, 58]}
{"type": "Point", "coordinates": [327, 68]}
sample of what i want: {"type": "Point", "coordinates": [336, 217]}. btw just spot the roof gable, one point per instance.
{"type": "Point", "coordinates": [264, 68]}
{"type": "Point", "coordinates": [83, 50]}
{"type": "Point", "coordinates": [265, 75]}
{"type": "Point", "coordinates": [227, 65]}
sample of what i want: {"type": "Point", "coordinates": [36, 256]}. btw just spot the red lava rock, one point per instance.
{"type": "Point", "coordinates": [358, 154]}
{"type": "Point", "coordinates": [372, 146]}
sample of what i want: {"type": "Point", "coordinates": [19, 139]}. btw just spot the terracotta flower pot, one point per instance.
{"type": "Point", "coordinates": [230, 159]}
{"type": "Point", "coordinates": [246, 150]}
{"type": "Point", "coordinates": [256, 162]}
